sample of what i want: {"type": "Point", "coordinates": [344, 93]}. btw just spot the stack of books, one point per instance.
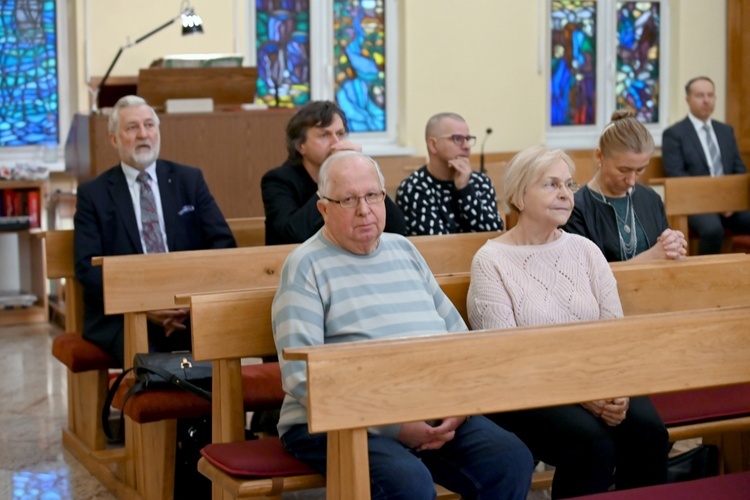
{"type": "Point", "coordinates": [19, 209]}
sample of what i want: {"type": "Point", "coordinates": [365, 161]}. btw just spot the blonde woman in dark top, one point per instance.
{"type": "Point", "coordinates": [625, 219]}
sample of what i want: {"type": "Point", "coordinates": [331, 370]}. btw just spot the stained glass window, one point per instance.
{"type": "Point", "coordinates": [573, 63]}
{"type": "Point", "coordinates": [637, 87]}
{"type": "Point", "coordinates": [359, 55]}
{"type": "Point", "coordinates": [283, 52]}
{"type": "Point", "coordinates": [28, 73]}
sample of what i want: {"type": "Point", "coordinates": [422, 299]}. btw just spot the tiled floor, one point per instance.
{"type": "Point", "coordinates": [33, 409]}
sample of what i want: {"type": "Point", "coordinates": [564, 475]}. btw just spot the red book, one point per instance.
{"type": "Point", "coordinates": [9, 205]}
{"type": "Point", "coordinates": [33, 208]}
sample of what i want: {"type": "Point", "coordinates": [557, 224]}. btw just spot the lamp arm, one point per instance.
{"type": "Point", "coordinates": [109, 70]}
{"type": "Point", "coordinates": [156, 30]}
{"type": "Point", "coordinates": [128, 45]}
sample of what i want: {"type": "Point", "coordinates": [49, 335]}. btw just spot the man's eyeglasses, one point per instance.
{"type": "Point", "coordinates": [353, 201]}
{"type": "Point", "coordinates": [558, 185]}
{"type": "Point", "coordinates": [459, 139]}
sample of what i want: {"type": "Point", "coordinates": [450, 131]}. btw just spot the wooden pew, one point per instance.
{"type": "Point", "coordinates": [87, 373]}
{"type": "Point", "coordinates": [244, 320]}
{"type": "Point", "coordinates": [684, 196]}
{"type": "Point", "coordinates": [137, 284]}
{"type": "Point", "coordinates": [248, 231]}
{"type": "Point", "coordinates": [350, 386]}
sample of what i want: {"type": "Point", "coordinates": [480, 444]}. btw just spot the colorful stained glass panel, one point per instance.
{"type": "Point", "coordinates": [637, 79]}
{"type": "Point", "coordinates": [573, 62]}
{"type": "Point", "coordinates": [283, 50]}
{"type": "Point", "coordinates": [359, 55]}
{"type": "Point", "coordinates": [28, 73]}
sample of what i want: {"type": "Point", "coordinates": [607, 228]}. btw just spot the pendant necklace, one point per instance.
{"type": "Point", "coordinates": [627, 249]}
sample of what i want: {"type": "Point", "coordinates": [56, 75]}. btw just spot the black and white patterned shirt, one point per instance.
{"type": "Point", "coordinates": [432, 206]}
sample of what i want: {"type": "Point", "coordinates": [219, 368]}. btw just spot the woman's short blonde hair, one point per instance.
{"type": "Point", "coordinates": [526, 168]}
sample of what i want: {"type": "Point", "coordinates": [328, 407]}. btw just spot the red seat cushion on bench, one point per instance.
{"type": "Point", "coordinates": [261, 389]}
{"type": "Point", "coordinates": [155, 405]}
{"type": "Point", "coordinates": [698, 405]}
{"type": "Point", "coordinates": [258, 458]}
{"type": "Point", "coordinates": [261, 386]}
{"type": "Point", "coordinates": [80, 355]}
{"type": "Point", "coordinates": [729, 487]}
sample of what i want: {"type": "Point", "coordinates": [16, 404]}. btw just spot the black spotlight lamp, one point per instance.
{"type": "Point", "coordinates": [191, 24]}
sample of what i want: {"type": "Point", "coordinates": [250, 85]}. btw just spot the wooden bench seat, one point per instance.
{"type": "Point", "coordinates": [351, 386]}
{"type": "Point", "coordinates": [643, 288]}
{"type": "Point", "coordinates": [727, 487]}
{"type": "Point", "coordinates": [87, 372]}
{"type": "Point", "coordinates": [136, 284]}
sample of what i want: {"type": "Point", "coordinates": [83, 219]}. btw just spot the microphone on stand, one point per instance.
{"type": "Point", "coordinates": [487, 133]}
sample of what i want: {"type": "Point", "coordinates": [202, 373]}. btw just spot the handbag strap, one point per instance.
{"type": "Point", "coordinates": [138, 387]}
{"type": "Point", "coordinates": [108, 404]}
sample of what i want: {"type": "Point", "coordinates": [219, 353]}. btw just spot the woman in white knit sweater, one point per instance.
{"type": "Point", "coordinates": [537, 274]}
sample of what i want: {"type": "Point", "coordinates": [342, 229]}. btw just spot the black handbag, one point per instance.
{"type": "Point", "coordinates": [163, 370]}
{"type": "Point", "coordinates": [702, 461]}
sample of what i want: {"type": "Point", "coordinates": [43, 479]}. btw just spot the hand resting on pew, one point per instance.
{"type": "Point", "coordinates": [422, 436]}
{"type": "Point", "coordinates": [171, 320]}
{"type": "Point", "coordinates": [612, 411]}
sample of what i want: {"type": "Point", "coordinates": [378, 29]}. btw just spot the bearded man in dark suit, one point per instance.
{"type": "Point", "coordinates": [124, 212]}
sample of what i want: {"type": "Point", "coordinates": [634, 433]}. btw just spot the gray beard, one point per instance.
{"type": "Point", "coordinates": [145, 159]}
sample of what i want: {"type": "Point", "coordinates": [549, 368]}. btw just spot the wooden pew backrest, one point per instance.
{"type": "Point", "coordinates": [685, 196]}
{"type": "Point", "coordinates": [248, 231]}
{"type": "Point", "coordinates": [366, 384]}
{"type": "Point", "coordinates": [150, 282]}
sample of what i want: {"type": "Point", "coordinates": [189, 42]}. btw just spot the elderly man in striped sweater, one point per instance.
{"type": "Point", "coordinates": [351, 282]}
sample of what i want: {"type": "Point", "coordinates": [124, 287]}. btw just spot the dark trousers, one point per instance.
{"type": "Point", "coordinates": [482, 461]}
{"type": "Point", "coordinates": [589, 455]}
{"type": "Point", "coordinates": [710, 229]}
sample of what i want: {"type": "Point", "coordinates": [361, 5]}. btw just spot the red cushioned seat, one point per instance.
{"type": "Point", "coordinates": [261, 387]}
{"type": "Point", "coordinates": [741, 243]}
{"type": "Point", "coordinates": [729, 487]}
{"type": "Point", "coordinates": [698, 405]}
{"type": "Point", "coordinates": [261, 390]}
{"type": "Point", "coordinates": [80, 355]}
{"type": "Point", "coordinates": [258, 458]}
{"type": "Point", "coordinates": [155, 405]}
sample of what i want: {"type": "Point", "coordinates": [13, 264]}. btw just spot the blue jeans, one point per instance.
{"type": "Point", "coordinates": [483, 461]}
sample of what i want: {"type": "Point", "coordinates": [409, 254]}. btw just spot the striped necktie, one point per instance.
{"type": "Point", "coordinates": [150, 229]}
{"type": "Point", "coordinates": [713, 151]}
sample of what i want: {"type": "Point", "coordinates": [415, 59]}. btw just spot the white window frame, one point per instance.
{"type": "Point", "coordinates": [50, 157]}
{"type": "Point", "coordinates": [322, 67]}
{"type": "Point", "coordinates": [587, 136]}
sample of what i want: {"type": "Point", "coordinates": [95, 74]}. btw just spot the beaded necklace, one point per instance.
{"type": "Point", "coordinates": [627, 249]}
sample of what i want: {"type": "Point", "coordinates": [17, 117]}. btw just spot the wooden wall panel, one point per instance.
{"type": "Point", "coordinates": [738, 72]}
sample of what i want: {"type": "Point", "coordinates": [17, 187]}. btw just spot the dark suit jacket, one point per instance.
{"type": "Point", "coordinates": [105, 224]}
{"type": "Point", "coordinates": [290, 204]}
{"type": "Point", "coordinates": [682, 153]}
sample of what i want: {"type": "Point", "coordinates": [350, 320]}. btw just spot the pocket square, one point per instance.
{"type": "Point", "coordinates": [186, 209]}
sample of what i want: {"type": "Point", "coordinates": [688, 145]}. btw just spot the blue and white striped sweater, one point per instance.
{"type": "Point", "coordinates": [328, 295]}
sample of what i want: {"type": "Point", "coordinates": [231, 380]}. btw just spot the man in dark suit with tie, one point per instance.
{"type": "Point", "coordinates": [142, 205]}
{"type": "Point", "coordinates": [699, 145]}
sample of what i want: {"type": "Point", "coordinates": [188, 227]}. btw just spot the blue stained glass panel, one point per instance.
{"type": "Point", "coordinates": [283, 52]}
{"type": "Point", "coordinates": [637, 78]}
{"type": "Point", "coordinates": [573, 62]}
{"type": "Point", "coordinates": [359, 55]}
{"type": "Point", "coordinates": [29, 111]}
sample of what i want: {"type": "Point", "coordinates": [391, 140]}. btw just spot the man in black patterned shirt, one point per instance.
{"type": "Point", "coordinates": [446, 196]}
